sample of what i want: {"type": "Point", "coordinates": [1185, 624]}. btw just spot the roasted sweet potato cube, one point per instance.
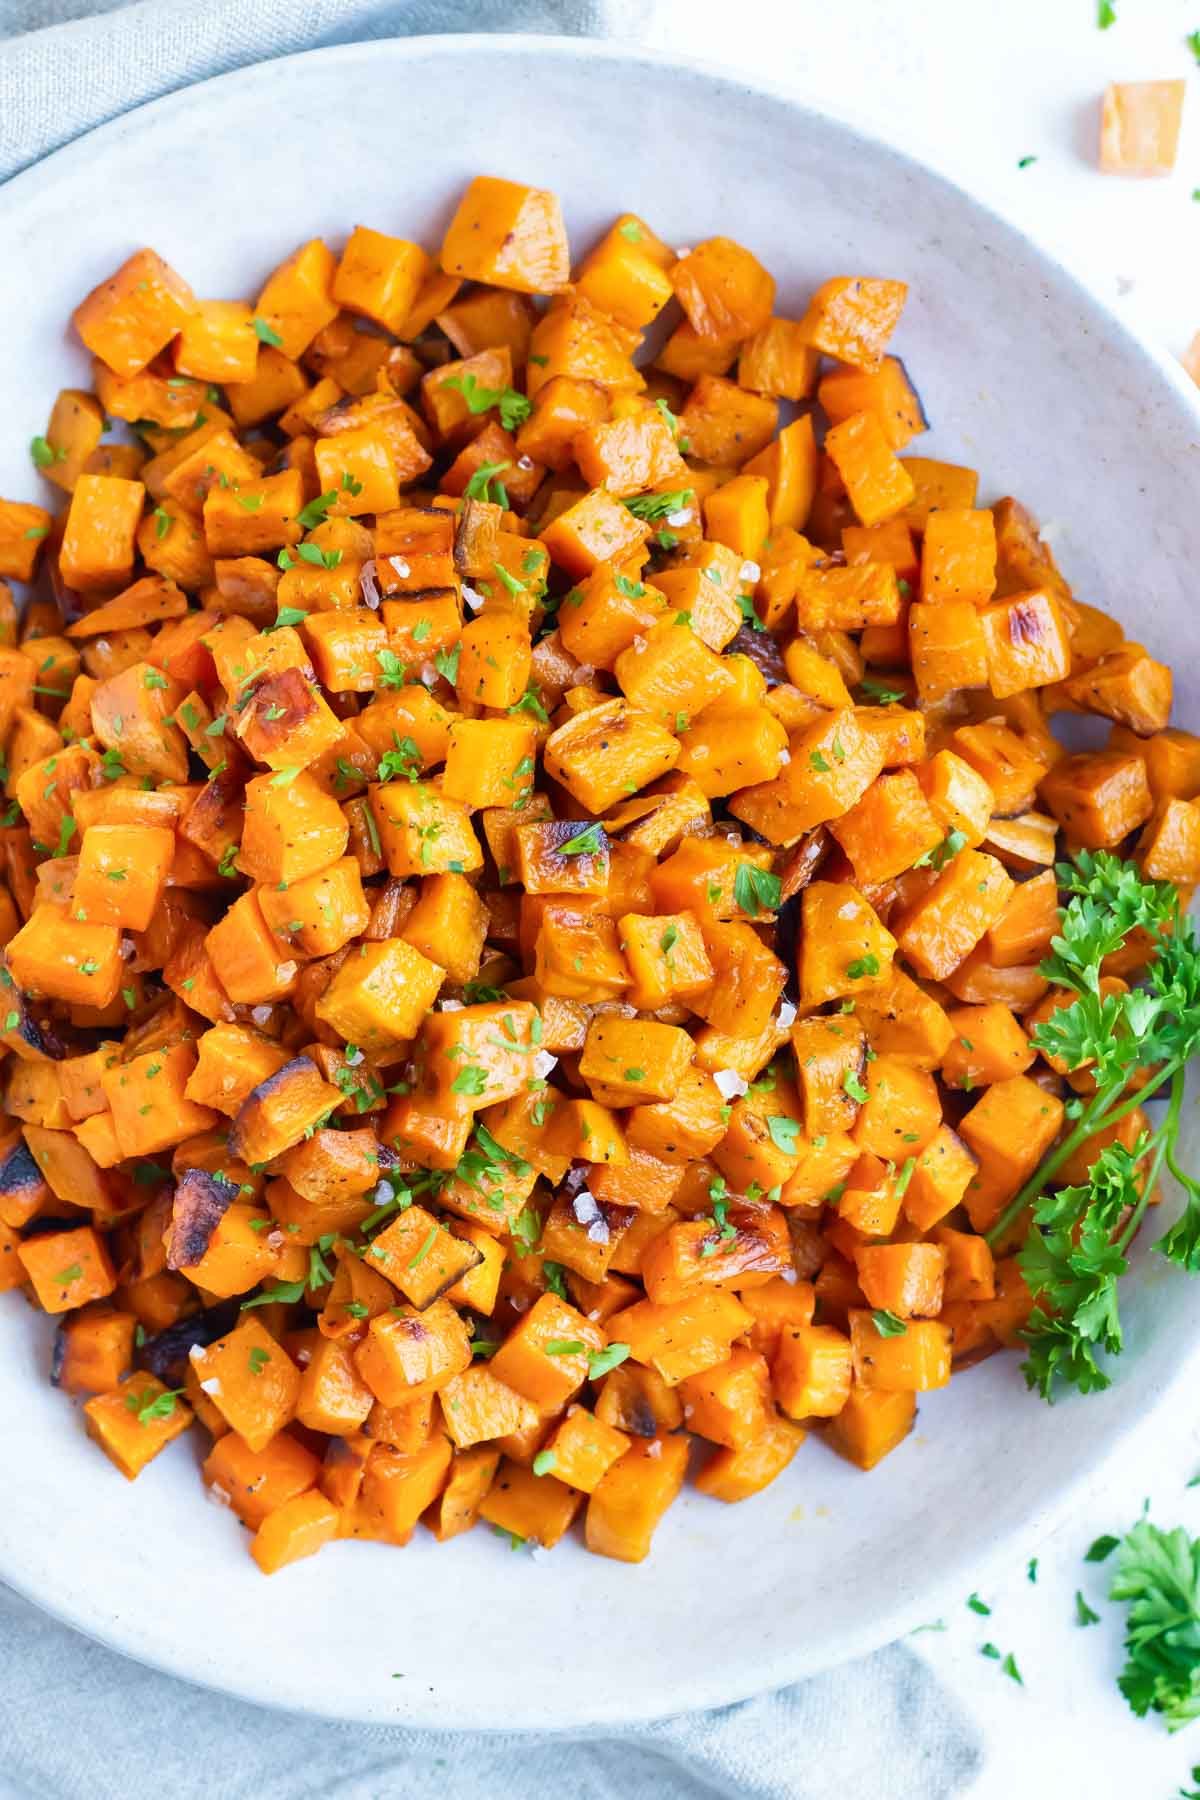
{"type": "Point", "coordinates": [943, 925]}
{"type": "Point", "coordinates": [421, 1258]}
{"type": "Point", "coordinates": [628, 1062]}
{"type": "Point", "coordinates": [852, 317]}
{"type": "Point", "coordinates": [380, 997]}
{"type": "Point", "coordinates": [99, 539]}
{"type": "Point", "coordinates": [150, 1109]}
{"type": "Point", "coordinates": [251, 1380]}
{"type": "Point", "coordinates": [477, 1406]}
{"type": "Point", "coordinates": [67, 1269]}
{"type": "Point", "coordinates": [871, 1424]}
{"type": "Point", "coordinates": [423, 831]}
{"type": "Point", "coordinates": [66, 959]}
{"type": "Point", "coordinates": [595, 529]}
{"type": "Point", "coordinates": [1027, 641]}
{"type": "Point", "coordinates": [583, 1449]}
{"type": "Point", "coordinates": [1009, 1130]}
{"type": "Point", "coordinates": [886, 392]}
{"type": "Point", "coordinates": [243, 956]}
{"type": "Point", "coordinates": [135, 313]}
{"type": "Point", "coordinates": [844, 947]}
{"type": "Point", "coordinates": [292, 829]}
{"type": "Point", "coordinates": [134, 1422]}
{"type": "Point", "coordinates": [731, 1403]}
{"type": "Point", "coordinates": [545, 1356]}
{"type": "Point", "coordinates": [286, 725]}
{"type": "Point", "coordinates": [1098, 797]}
{"type": "Point", "coordinates": [407, 1353]}
{"type": "Point", "coordinates": [122, 873]}
{"type": "Point", "coordinates": [508, 236]}
{"type": "Point", "coordinates": [912, 1362]}
{"type": "Point", "coordinates": [93, 1351]}
{"type": "Point", "coordinates": [1139, 127]}
{"type": "Point", "coordinates": [133, 716]}
{"type": "Point", "coordinates": [1125, 685]}
{"type": "Point", "coordinates": [277, 1113]}
{"type": "Point", "coordinates": [255, 1483]}
{"type": "Point", "coordinates": [629, 1502]}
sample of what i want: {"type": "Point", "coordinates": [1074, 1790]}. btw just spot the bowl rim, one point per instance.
{"type": "Point", "coordinates": [801, 1659]}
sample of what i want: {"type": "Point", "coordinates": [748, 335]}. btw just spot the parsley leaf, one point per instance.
{"type": "Point", "coordinates": [783, 1132]}
{"type": "Point", "coordinates": [889, 1326]}
{"type": "Point", "coordinates": [591, 841]}
{"type": "Point", "coordinates": [756, 890]}
{"type": "Point", "coordinates": [652, 507]}
{"type": "Point", "coordinates": [1158, 1575]}
{"type": "Point", "coordinates": [513, 407]}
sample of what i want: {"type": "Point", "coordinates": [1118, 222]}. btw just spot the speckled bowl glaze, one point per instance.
{"type": "Point", "coordinates": [1023, 374]}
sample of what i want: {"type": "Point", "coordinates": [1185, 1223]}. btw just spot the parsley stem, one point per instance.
{"type": "Point", "coordinates": [1149, 1177]}
{"type": "Point", "coordinates": [1102, 1110]}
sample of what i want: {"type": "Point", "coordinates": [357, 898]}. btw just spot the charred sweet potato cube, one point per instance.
{"type": "Point", "coordinates": [609, 751]}
{"type": "Point", "coordinates": [277, 1113]}
{"type": "Point", "coordinates": [421, 1258]}
{"type": "Point", "coordinates": [406, 1353]}
{"type": "Point", "coordinates": [286, 724]}
{"type": "Point", "coordinates": [1027, 642]}
{"type": "Point", "coordinates": [23, 1189]}
{"type": "Point", "coordinates": [198, 1205]}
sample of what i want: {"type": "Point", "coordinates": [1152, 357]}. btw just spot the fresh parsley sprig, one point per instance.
{"type": "Point", "coordinates": [1158, 1574]}
{"type": "Point", "coordinates": [1133, 1043]}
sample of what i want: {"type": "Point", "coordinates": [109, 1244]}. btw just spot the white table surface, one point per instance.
{"type": "Point", "coordinates": [974, 87]}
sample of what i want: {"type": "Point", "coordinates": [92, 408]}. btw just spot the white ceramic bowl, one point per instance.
{"type": "Point", "coordinates": [1022, 374]}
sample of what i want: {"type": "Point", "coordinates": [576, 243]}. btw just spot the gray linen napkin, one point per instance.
{"type": "Point", "coordinates": [78, 1722]}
